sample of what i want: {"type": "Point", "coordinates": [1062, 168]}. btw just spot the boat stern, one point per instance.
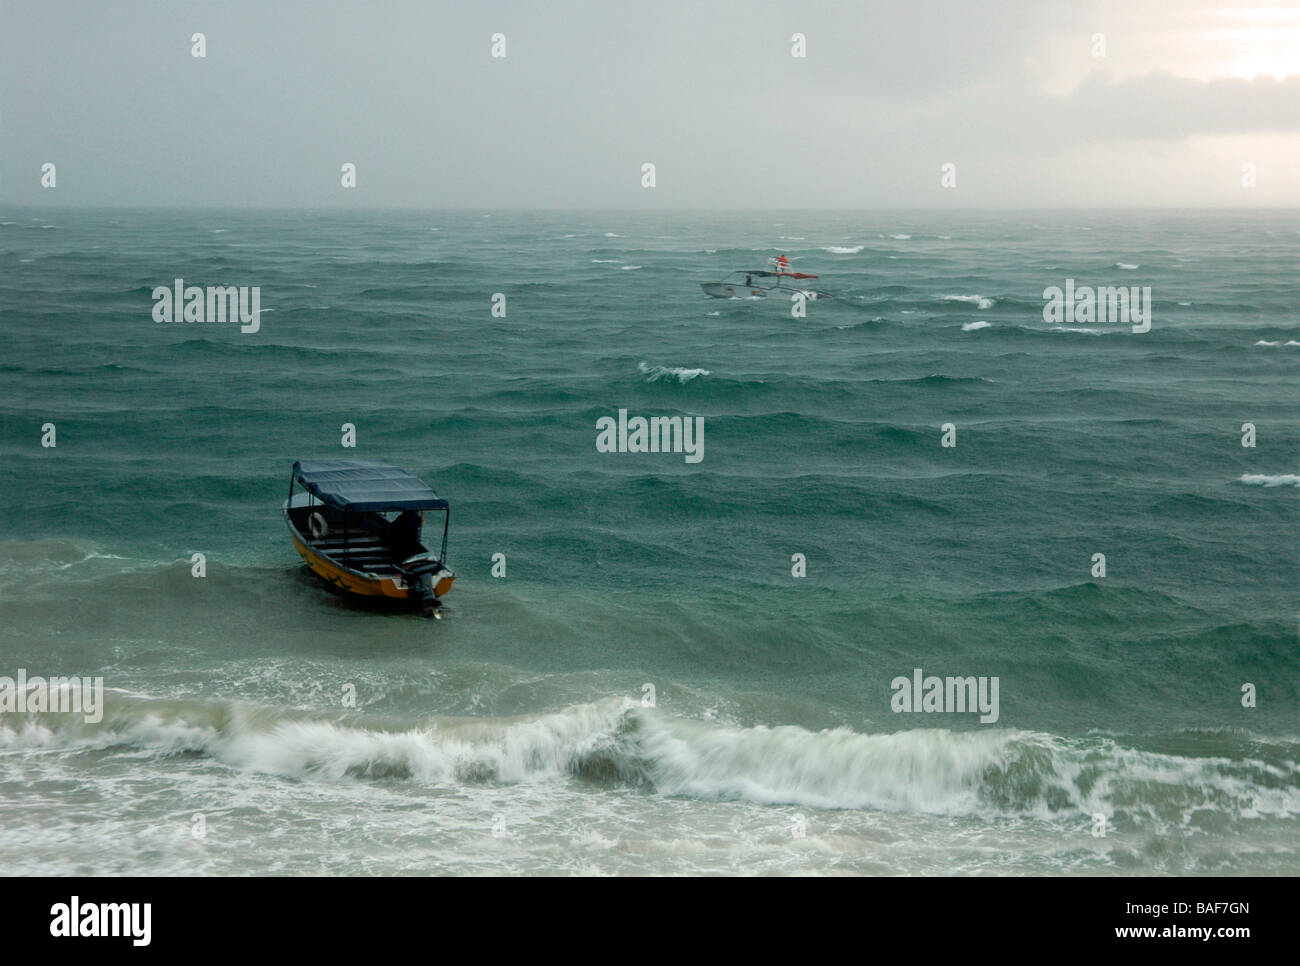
{"type": "Point", "coordinates": [443, 583]}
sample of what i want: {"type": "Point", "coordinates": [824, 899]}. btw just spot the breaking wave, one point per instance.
{"type": "Point", "coordinates": [1261, 479]}
{"type": "Point", "coordinates": [978, 300]}
{"type": "Point", "coordinates": [988, 773]}
{"type": "Point", "coordinates": [669, 373]}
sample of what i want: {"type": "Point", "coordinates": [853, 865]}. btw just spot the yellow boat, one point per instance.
{"type": "Point", "coordinates": [358, 524]}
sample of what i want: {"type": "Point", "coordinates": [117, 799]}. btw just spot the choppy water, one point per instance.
{"type": "Point", "coordinates": [514, 735]}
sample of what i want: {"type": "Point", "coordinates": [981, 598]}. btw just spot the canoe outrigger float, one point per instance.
{"type": "Point", "coordinates": [759, 285]}
{"type": "Point", "coordinates": [357, 524]}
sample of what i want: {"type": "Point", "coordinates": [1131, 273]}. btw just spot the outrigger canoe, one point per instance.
{"type": "Point", "coordinates": [358, 524]}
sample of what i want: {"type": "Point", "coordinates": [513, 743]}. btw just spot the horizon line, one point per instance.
{"type": "Point", "coordinates": [641, 210]}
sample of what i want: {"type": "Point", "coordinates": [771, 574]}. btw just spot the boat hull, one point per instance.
{"type": "Point", "coordinates": [359, 583]}
{"type": "Point", "coordinates": [726, 290]}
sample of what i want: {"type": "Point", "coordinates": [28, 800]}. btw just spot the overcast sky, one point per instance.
{"type": "Point", "coordinates": [706, 90]}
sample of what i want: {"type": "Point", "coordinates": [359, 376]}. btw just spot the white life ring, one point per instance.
{"type": "Point", "coordinates": [319, 528]}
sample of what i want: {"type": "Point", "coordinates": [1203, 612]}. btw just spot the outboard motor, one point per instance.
{"type": "Point", "coordinates": [419, 572]}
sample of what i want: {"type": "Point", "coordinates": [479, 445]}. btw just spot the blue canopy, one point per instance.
{"type": "Point", "coordinates": [365, 485]}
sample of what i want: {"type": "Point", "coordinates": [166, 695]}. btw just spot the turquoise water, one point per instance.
{"type": "Point", "coordinates": [518, 734]}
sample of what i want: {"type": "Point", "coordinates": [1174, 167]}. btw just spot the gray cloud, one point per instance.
{"type": "Point", "coordinates": [590, 90]}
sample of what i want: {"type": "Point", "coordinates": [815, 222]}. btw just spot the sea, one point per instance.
{"type": "Point", "coordinates": [649, 664]}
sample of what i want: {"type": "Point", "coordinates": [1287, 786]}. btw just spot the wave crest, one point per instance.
{"type": "Point", "coordinates": [1264, 479]}
{"type": "Point", "coordinates": [669, 373]}
{"type": "Point", "coordinates": [986, 773]}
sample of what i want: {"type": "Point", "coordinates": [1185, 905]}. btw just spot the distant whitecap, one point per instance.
{"type": "Point", "coordinates": [978, 300]}
{"type": "Point", "coordinates": [1263, 479]}
{"type": "Point", "coordinates": [670, 373]}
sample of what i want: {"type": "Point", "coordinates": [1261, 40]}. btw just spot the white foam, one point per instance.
{"type": "Point", "coordinates": [1262, 479]}
{"type": "Point", "coordinates": [975, 326]}
{"type": "Point", "coordinates": [1126, 266]}
{"type": "Point", "coordinates": [927, 770]}
{"type": "Point", "coordinates": [844, 250]}
{"type": "Point", "coordinates": [987, 772]}
{"type": "Point", "coordinates": [668, 373]}
{"type": "Point", "coordinates": [261, 740]}
{"type": "Point", "coordinates": [979, 300]}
